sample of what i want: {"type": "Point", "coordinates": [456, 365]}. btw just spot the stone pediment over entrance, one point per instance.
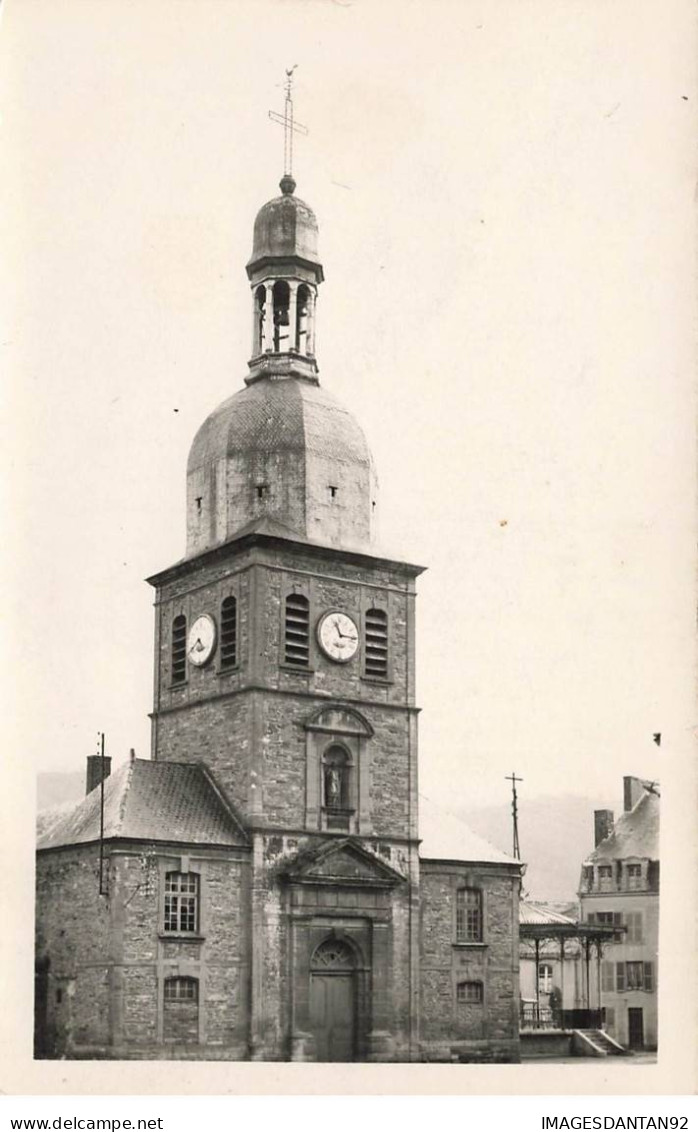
{"type": "Point", "coordinates": [344, 862]}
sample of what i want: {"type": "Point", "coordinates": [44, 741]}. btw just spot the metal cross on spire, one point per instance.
{"type": "Point", "coordinates": [514, 812]}
{"type": "Point", "coordinates": [286, 120]}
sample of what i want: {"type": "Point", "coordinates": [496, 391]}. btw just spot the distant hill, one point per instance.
{"type": "Point", "coordinates": [556, 834]}
{"type": "Point", "coordinates": [59, 787]}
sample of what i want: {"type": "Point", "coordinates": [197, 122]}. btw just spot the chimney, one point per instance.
{"type": "Point", "coordinates": [633, 789]}
{"type": "Point", "coordinates": [603, 825]}
{"type": "Point", "coordinates": [94, 771]}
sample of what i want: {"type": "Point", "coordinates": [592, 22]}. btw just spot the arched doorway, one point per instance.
{"type": "Point", "coordinates": [333, 1000]}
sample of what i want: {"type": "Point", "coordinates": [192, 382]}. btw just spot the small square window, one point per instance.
{"type": "Point", "coordinates": [470, 992]}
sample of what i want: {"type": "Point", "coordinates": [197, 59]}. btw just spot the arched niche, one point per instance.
{"type": "Point", "coordinates": [338, 750]}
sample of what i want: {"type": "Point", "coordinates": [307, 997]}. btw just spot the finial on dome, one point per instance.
{"type": "Point", "coordinates": [287, 185]}
{"type": "Point", "coordinates": [290, 127]}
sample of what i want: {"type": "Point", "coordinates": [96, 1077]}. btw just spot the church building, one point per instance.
{"type": "Point", "coordinates": [257, 888]}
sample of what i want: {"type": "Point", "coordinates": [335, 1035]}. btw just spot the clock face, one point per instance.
{"type": "Point", "coordinates": [201, 640]}
{"type": "Point", "coordinates": [338, 636]}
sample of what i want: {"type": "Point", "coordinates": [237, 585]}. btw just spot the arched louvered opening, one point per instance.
{"type": "Point", "coordinates": [297, 631]}
{"type": "Point", "coordinates": [179, 649]}
{"type": "Point", "coordinates": [229, 632]}
{"type": "Point", "coordinates": [260, 313]}
{"type": "Point", "coordinates": [282, 298]}
{"type": "Point", "coordinates": [302, 319]}
{"type": "Point", "coordinates": [376, 644]}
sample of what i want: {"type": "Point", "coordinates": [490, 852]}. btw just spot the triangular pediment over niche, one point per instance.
{"type": "Point", "coordinates": [344, 862]}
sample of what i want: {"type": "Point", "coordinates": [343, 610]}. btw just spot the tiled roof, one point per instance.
{"type": "Point", "coordinates": [149, 801]}
{"type": "Point", "coordinates": [446, 838]}
{"type": "Point", "coordinates": [533, 913]}
{"type": "Point", "coordinates": [635, 833]}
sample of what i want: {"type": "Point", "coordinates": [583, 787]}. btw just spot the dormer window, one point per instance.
{"type": "Point", "coordinates": [634, 876]}
{"type": "Point", "coordinates": [605, 878]}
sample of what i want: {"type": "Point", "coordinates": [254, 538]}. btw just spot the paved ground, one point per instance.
{"type": "Point", "coordinates": [631, 1059]}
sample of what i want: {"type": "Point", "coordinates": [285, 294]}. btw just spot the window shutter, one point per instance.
{"type": "Point", "coordinates": [620, 977]}
{"type": "Point", "coordinates": [649, 982]}
{"type": "Point", "coordinates": [618, 923]}
{"type": "Point", "coordinates": [591, 918]}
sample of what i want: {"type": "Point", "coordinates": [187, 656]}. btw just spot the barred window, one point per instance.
{"type": "Point", "coordinates": [297, 630]}
{"type": "Point", "coordinates": [229, 632]}
{"type": "Point", "coordinates": [179, 649]}
{"type": "Point", "coordinates": [470, 992]}
{"type": "Point", "coordinates": [181, 988]}
{"type": "Point", "coordinates": [181, 902]}
{"type": "Point", "coordinates": [468, 915]}
{"type": "Point", "coordinates": [376, 643]}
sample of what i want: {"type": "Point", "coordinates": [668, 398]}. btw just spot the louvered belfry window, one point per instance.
{"type": "Point", "coordinates": [376, 644]}
{"type": "Point", "coordinates": [297, 631]}
{"type": "Point", "coordinates": [229, 632]}
{"type": "Point", "coordinates": [179, 649]}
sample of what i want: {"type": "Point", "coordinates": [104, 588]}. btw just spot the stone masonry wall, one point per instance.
{"type": "Point", "coordinates": [449, 1028]}
{"type": "Point", "coordinates": [248, 726]}
{"type": "Point", "coordinates": [109, 957]}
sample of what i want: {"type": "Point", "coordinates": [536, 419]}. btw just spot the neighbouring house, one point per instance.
{"type": "Point", "coordinates": [619, 888]}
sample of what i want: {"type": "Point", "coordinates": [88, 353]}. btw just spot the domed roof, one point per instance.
{"type": "Point", "coordinates": [286, 449]}
{"type": "Point", "coordinates": [285, 226]}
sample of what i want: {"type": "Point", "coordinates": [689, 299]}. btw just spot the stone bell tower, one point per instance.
{"type": "Point", "coordinates": [285, 663]}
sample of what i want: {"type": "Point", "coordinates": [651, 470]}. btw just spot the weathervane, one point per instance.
{"type": "Point", "coordinates": [286, 120]}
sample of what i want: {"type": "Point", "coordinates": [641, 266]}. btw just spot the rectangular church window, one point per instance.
{"type": "Point", "coordinates": [181, 902]}
{"type": "Point", "coordinates": [468, 915]}
{"type": "Point", "coordinates": [469, 992]}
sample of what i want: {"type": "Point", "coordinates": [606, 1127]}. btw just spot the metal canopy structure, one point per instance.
{"type": "Point", "coordinates": [538, 925]}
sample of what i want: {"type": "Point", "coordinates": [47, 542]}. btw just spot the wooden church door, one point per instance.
{"type": "Point", "coordinates": [333, 1001]}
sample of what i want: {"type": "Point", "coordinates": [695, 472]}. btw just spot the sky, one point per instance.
{"type": "Point", "coordinates": [504, 193]}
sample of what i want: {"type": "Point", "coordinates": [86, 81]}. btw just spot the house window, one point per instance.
{"type": "Point", "coordinates": [612, 919]}
{"type": "Point", "coordinates": [181, 902]}
{"type": "Point", "coordinates": [180, 1014]}
{"type": "Point", "coordinates": [605, 875]}
{"type": "Point", "coordinates": [297, 629]}
{"type": "Point", "coordinates": [634, 976]}
{"type": "Point", "coordinates": [468, 915]}
{"type": "Point", "coordinates": [545, 978]}
{"type": "Point", "coordinates": [608, 984]}
{"type": "Point", "coordinates": [634, 875]}
{"type": "Point", "coordinates": [179, 649]}
{"type": "Point", "coordinates": [470, 993]}
{"type": "Point", "coordinates": [633, 922]}
{"type": "Point", "coordinates": [376, 644]}
{"type": "Point", "coordinates": [229, 632]}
